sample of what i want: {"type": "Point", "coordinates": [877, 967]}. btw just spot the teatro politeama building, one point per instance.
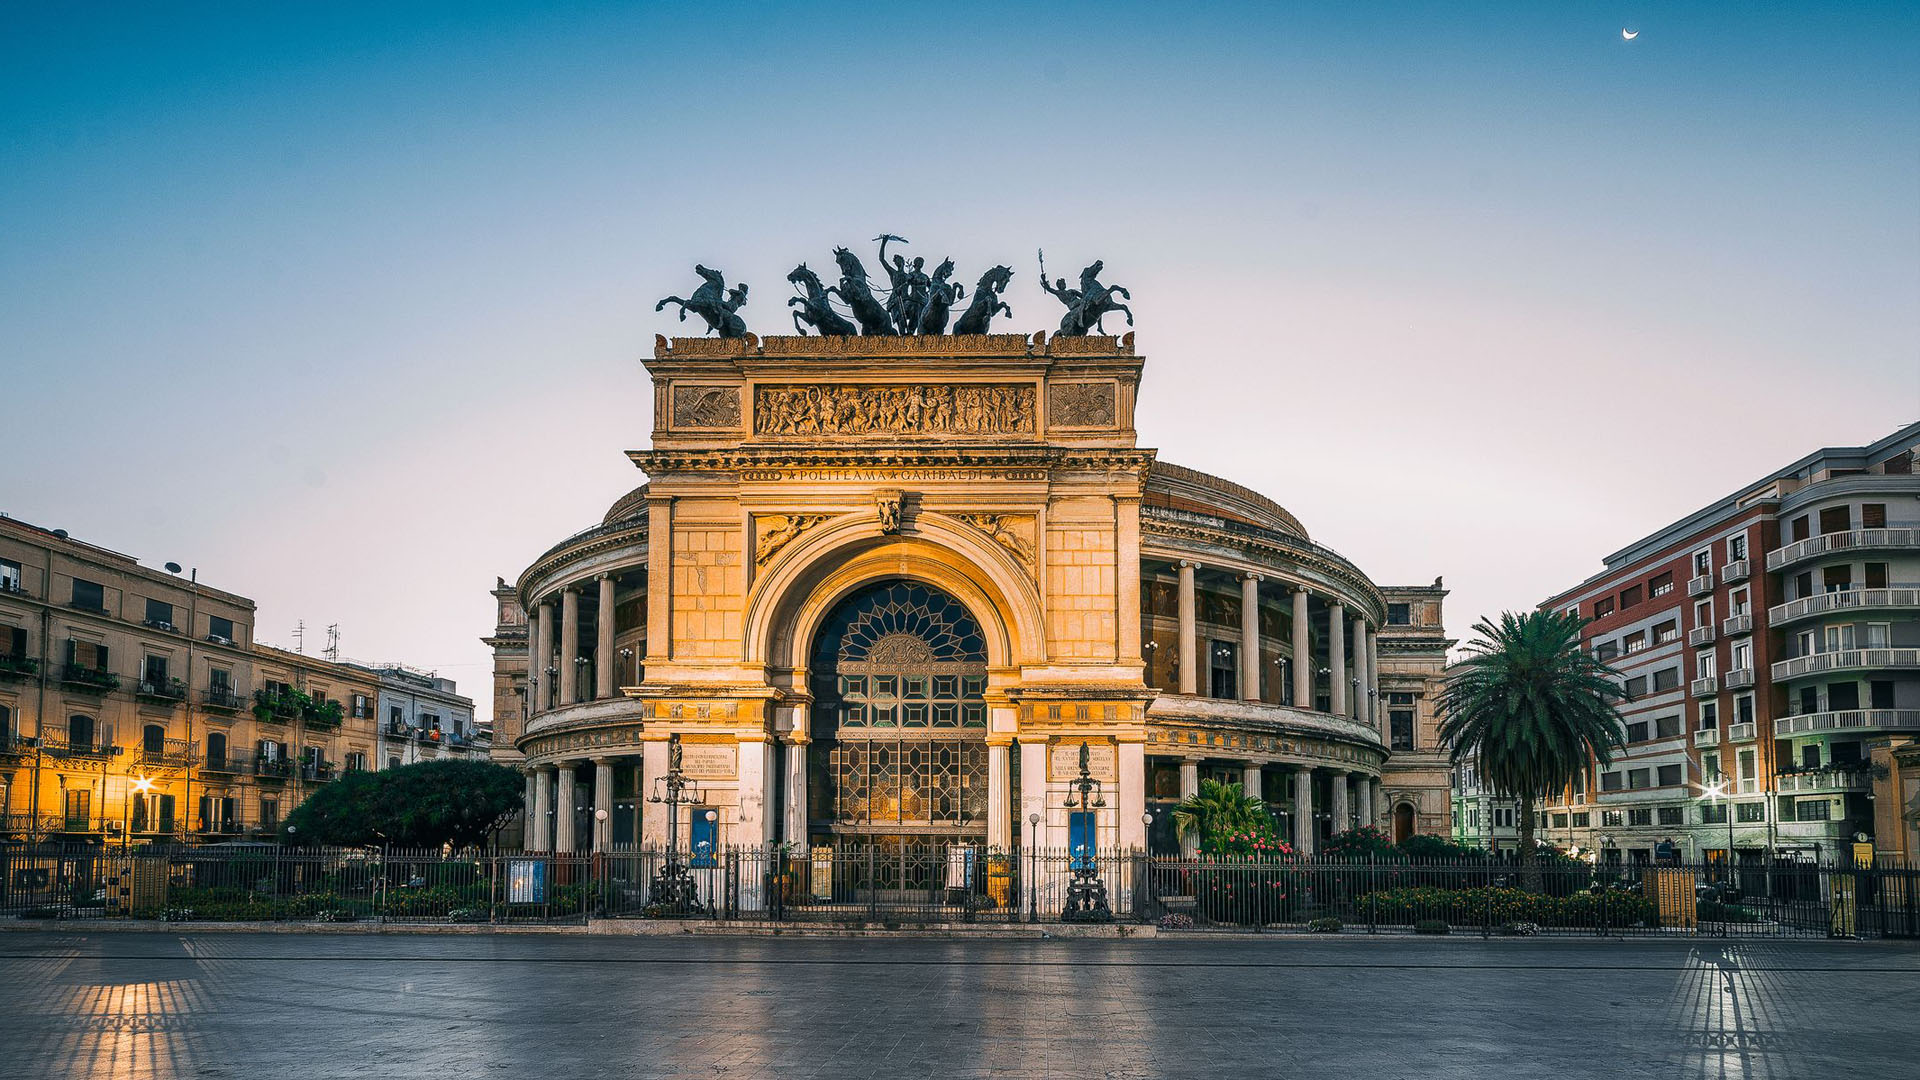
{"type": "Point", "coordinates": [884, 588]}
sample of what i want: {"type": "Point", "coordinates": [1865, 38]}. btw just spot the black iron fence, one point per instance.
{"type": "Point", "coordinates": [893, 884]}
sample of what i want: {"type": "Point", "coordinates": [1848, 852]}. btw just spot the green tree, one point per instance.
{"type": "Point", "coordinates": [426, 805]}
{"type": "Point", "coordinates": [1530, 709]}
{"type": "Point", "coordinates": [1225, 820]}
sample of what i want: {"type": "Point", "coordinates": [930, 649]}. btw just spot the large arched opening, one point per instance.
{"type": "Point", "coordinates": [898, 759]}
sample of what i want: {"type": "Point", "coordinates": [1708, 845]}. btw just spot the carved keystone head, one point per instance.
{"type": "Point", "coordinates": [887, 504]}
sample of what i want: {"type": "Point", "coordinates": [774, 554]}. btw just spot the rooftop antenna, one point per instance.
{"type": "Point", "coordinates": [332, 651]}
{"type": "Point", "coordinates": [300, 637]}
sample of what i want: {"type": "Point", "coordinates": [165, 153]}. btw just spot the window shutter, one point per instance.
{"type": "Point", "coordinates": [1873, 515]}
{"type": "Point", "coordinates": [18, 641]}
{"type": "Point", "coordinates": [100, 657]}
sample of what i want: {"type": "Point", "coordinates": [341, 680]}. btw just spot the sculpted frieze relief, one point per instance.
{"type": "Point", "coordinates": [1080, 404]}
{"type": "Point", "coordinates": [771, 532]}
{"type": "Point", "coordinates": [966, 409]}
{"type": "Point", "coordinates": [706, 406]}
{"type": "Point", "coordinates": [1011, 531]}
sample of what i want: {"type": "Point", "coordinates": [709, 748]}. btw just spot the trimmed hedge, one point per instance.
{"type": "Point", "coordinates": [1499, 906]}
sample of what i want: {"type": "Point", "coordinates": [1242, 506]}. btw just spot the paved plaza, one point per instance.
{"type": "Point", "coordinates": [127, 1006]}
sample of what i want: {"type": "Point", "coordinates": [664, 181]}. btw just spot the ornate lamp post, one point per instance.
{"type": "Point", "coordinates": [1086, 893]}
{"type": "Point", "coordinates": [674, 890]}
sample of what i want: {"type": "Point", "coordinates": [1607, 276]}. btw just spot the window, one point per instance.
{"type": "Point", "coordinates": [1880, 693]}
{"type": "Point", "coordinates": [1634, 642]}
{"type": "Point", "coordinates": [1876, 575]}
{"type": "Point", "coordinates": [1635, 687]}
{"type": "Point", "coordinates": [1879, 635]}
{"type": "Point", "coordinates": [1800, 528]}
{"type": "Point", "coordinates": [1662, 585]}
{"type": "Point", "coordinates": [1747, 760]}
{"type": "Point", "coordinates": [10, 577]}
{"type": "Point", "coordinates": [86, 654]}
{"type": "Point", "coordinates": [356, 761]}
{"type": "Point", "coordinates": [1743, 709]}
{"type": "Point", "coordinates": [1666, 679]}
{"type": "Point", "coordinates": [1751, 812]}
{"type": "Point", "coordinates": [1399, 614]}
{"type": "Point", "coordinates": [1670, 776]}
{"type": "Point", "coordinates": [1503, 817]}
{"type": "Point", "coordinates": [1640, 816]}
{"type": "Point", "coordinates": [1666, 631]}
{"type": "Point", "coordinates": [1840, 638]}
{"type": "Point", "coordinates": [1702, 562]}
{"type": "Point", "coordinates": [1605, 651]}
{"type": "Point", "coordinates": [1835, 519]}
{"type": "Point", "coordinates": [1703, 613]}
{"type": "Point", "coordinates": [393, 761]}
{"type": "Point", "coordinates": [1224, 670]}
{"type": "Point", "coordinates": [1710, 766]}
{"type": "Point", "coordinates": [1873, 515]}
{"type": "Point", "coordinates": [1812, 810]}
{"type": "Point", "coordinates": [153, 672]}
{"type": "Point", "coordinates": [1630, 596]}
{"type": "Point", "coordinates": [1737, 602]}
{"type": "Point", "coordinates": [1581, 818]}
{"type": "Point", "coordinates": [1737, 547]}
{"type": "Point", "coordinates": [1705, 664]}
{"type": "Point", "coordinates": [1810, 756]}
{"type": "Point", "coordinates": [1843, 696]}
{"type": "Point", "coordinates": [1837, 578]}
{"type": "Point", "coordinates": [219, 629]}
{"type": "Point", "coordinates": [1610, 781]}
{"type": "Point", "coordinates": [361, 709]}
{"type": "Point", "coordinates": [1611, 819]}
{"type": "Point", "coordinates": [1740, 656]}
{"type": "Point", "coordinates": [1637, 731]}
{"type": "Point", "coordinates": [1669, 815]}
{"type": "Point", "coordinates": [1809, 700]}
{"type": "Point", "coordinates": [1400, 729]}
{"type": "Point", "coordinates": [1559, 821]}
{"type": "Point", "coordinates": [13, 642]}
{"type": "Point", "coordinates": [1666, 727]}
{"type": "Point", "coordinates": [270, 815]}
{"type": "Point", "coordinates": [160, 614]}
{"type": "Point", "coordinates": [79, 732]}
{"type": "Point", "coordinates": [1713, 813]}
{"type": "Point", "coordinates": [396, 717]}
{"type": "Point", "coordinates": [1709, 715]}
{"type": "Point", "coordinates": [1603, 607]}
{"type": "Point", "coordinates": [1845, 752]}
{"type": "Point", "coordinates": [89, 595]}
{"type": "Point", "coordinates": [1638, 779]}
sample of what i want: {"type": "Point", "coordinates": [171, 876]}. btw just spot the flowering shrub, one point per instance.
{"type": "Point", "coordinates": [1361, 842]}
{"type": "Point", "coordinates": [1499, 906]}
{"type": "Point", "coordinates": [1176, 922]}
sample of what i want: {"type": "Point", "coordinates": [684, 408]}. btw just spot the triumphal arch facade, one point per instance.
{"type": "Point", "coordinates": [883, 589]}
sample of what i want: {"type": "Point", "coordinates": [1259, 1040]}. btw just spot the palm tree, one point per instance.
{"type": "Point", "coordinates": [1218, 809]}
{"type": "Point", "coordinates": [1531, 709]}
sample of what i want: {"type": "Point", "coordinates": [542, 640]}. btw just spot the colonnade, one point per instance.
{"type": "Point", "coordinates": [1352, 797]}
{"type": "Point", "coordinates": [555, 681]}
{"type": "Point", "coordinates": [1351, 653]}
{"type": "Point", "coordinates": [553, 793]}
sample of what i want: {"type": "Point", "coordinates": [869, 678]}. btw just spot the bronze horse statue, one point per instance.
{"type": "Point", "coordinates": [815, 309]}
{"type": "Point", "coordinates": [940, 296]}
{"type": "Point", "coordinates": [1087, 304]}
{"type": "Point", "coordinates": [873, 318]}
{"type": "Point", "coordinates": [986, 302]}
{"type": "Point", "coordinates": [715, 303]}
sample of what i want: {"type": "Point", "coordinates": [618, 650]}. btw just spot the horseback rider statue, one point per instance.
{"type": "Point", "coordinates": [1087, 304]}
{"type": "Point", "coordinates": [715, 303]}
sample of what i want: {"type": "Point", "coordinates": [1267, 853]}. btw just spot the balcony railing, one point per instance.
{"type": "Point", "coordinates": [322, 717]}
{"type": "Point", "coordinates": [318, 771]}
{"type": "Point", "coordinates": [1814, 780]}
{"type": "Point", "coordinates": [1846, 660]}
{"type": "Point", "coordinates": [1737, 570]}
{"type": "Point", "coordinates": [1700, 635]}
{"type": "Point", "coordinates": [1741, 623]}
{"type": "Point", "coordinates": [88, 680]}
{"type": "Point", "coordinates": [231, 763]}
{"type": "Point", "coordinates": [60, 746]}
{"type": "Point", "coordinates": [1851, 540]}
{"type": "Point", "coordinates": [16, 668]}
{"type": "Point", "coordinates": [1704, 687]}
{"type": "Point", "coordinates": [1701, 585]}
{"type": "Point", "coordinates": [1843, 600]}
{"type": "Point", "coordinates": [274, 768]}
{"type": "Point", "coordinates": [13, 587]}
{"type": "Point", "coordinates": [1706, 736]}
{"type": "Point", "coordinates": [275, 707]}
{"type": "Point", "coordinates": [1848, 720]}
{"type": "Point", "coordinates": [161, 691]}
{"type": "Point", "coordinates": [222, 699]}
{"type": "Point", "coordinates": [12, 745]}
{"type": "Point", "coordinates": [1739, 678]}
{"type": "Point", "coordinates": [1746, 732]}
{"type": "Point", "coordinates": [169, 753]}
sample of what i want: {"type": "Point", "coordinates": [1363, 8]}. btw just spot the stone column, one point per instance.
{"type": "Point", "coordinates": [542, 809]}
{"type": "Point", "coordinates": [999, 794]}
{"type": "Point", "coordinates": [569, 645]}
{"type": "Point", "coordinates": [750, 788]}
{"type": "Point", "coordinates": [1250, 779]}
{"type": "Point", "coordinates": [602, 804]}
{"type": "Point", "coordinates": [1131, 773]}
{"type": "Point", "coordinates": [1189, 663]}
{"type": "Point", "coordinates": [1250, 637]}
{"type": "Point", "coordinates": [1189, 787]}
{"type": "Point", "coordinates": [603, 659]}
{"type": "Point", "coordinates": [1303, 811]}
{"type": "Point", "coordinates": [1376, 708]}
{"type": "Point", "coordinates": [528, 811]}
{"type": "Point", "coordinates": [543, 656]}
{"type": "Point", "coordinates": [797, 793]}
{"type": "Point", "coordinates": [653, 816]}
{"type": "Point", "coordinates": [1337, 658]}
{"type": "Point", "coordinates": [1360, 696]}
{"type": "Point", "coordinates": [1364, 789]}
{"type": "Point", "coordinates": [1339, 811]}
{"type": "Point", "coordinates": [563, 803]}
{"type": "Point", "coordinates": [1033, 793]}
{"type": "Point", "coordinates": [1302, 652]}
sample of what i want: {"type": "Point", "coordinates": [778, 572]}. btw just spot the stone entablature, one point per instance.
{"type": "Point", "coordinates": [1175, 534]}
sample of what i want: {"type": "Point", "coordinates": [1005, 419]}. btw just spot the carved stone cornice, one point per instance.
{"type": "Point", "coordinates": [1257, 543]}
{"type": "Point", "coordinates": [864, 345]}
{"type": "Point", "coordinates": [1043, 460]}
{"type": "Point", "coordinates": [581, 547]}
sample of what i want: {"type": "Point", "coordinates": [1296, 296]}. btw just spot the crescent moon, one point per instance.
{"type": "Point", "coordinates": [1628, 35]}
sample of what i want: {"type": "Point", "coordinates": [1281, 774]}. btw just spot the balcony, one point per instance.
{"type": "Point", "coordinates": [221, 699]}
{"type": "Point", "coordinates": [1705, 687]}
{"type": "Point", "coordinates": [1817, 781]}
{"type": "Point", "coordinates": [1844, 600]}
{"type": "Point", "coordinates": [1740, 678]}
{"type": "Point", "coordinates": [1700, 586]}
{"type": "Point", "coordinates": [274, 770]}
{"type": "Point", "coordinates": [275, 709]}
{"type": "Point", "coordinates": [160, 624]}
{"type": "Point", "coordinates": [12, 586]}
{"type": "Point", "coordinates": [321, 716]}
{"type": "Point", "coordinates": [1737, 570]}
{"type": "Point", "coordinates": [1851, 540]}
{"type": "Point", "coordinates": [231, 763]}
{"type": "Point", "coordinates": [1848, 720]}
{"type": "Point", "coordinates": [1700, 635]}
{"type": "Point", "coordinates": [161, 691]}
{"type": "Point", "coordinates": [61, 747]}
{"type": "Point", "coordinates": [1846, 660]}
{"type": "Point", "coordinates": [17, 668]}
{"type": "Point", "coordinates": [1706, 737]}
{"type": "Point", "coordinates": [320, 772]}
{"type": "Point", "coordinates": [169, 753]}
{"type": "Point", "coordinates": [1746, 732]}
{"type": "Point", "coordinates": [88, 680]}
{"type": "Point", "coordinates": [15, 746]}
{"type": "Point", "coordinates": [1741, 623]}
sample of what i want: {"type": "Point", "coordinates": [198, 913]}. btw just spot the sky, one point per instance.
{"type": "Point", "coordinates": [344, 304]}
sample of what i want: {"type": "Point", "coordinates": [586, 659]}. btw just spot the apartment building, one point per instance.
{"type": "Point", "coordinates": [136, 704]}
{"type": "Point", "coordinates": [1769, 646]}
